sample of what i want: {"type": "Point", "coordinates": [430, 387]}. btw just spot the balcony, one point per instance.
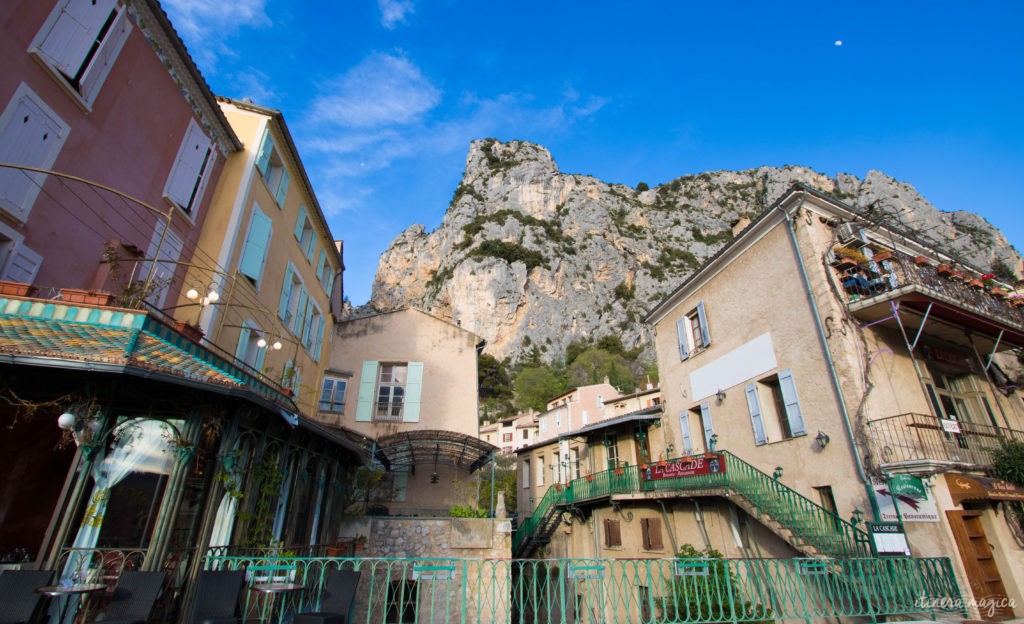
{"type": "Point", "coordinates": [915, 293]}
{"type": "Point", "coordinates": [919, 440]}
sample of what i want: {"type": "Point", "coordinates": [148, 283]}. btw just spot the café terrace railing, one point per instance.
{"type": "Point", "coordinates": [809, 522]}
{"type": "Point", "coordinates": [605, 591]}
{"type": "Point", "coordinates": [911, 438]}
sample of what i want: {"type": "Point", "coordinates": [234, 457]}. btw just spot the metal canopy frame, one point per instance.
{"type": "Point", "coordinates": [432, 445]}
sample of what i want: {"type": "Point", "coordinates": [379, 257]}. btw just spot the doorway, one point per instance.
{"type": "Point", "coordinates": [982, 572]}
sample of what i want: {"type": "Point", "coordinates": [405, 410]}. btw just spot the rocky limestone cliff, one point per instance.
{"type": "Point", "coordinates": [528, 257]}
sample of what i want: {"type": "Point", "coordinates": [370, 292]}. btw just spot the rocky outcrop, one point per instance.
{"type": "Point", "coordinates": [527, 256]}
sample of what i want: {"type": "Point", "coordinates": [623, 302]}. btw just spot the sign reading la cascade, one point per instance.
{"type": "Point", "coordinates": [711, 463]}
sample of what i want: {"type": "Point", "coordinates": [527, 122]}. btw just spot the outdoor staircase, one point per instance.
{"type": "Point", "coordinates": [802, 523]}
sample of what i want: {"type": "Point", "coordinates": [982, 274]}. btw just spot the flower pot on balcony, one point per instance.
{"type": "Point", "coordinates": [1017, 302]}
{"type": "Point", "coordinates": [89, 297]}
{"type": "Point", "coordinates": [882, 256]}
{"type": "Point", "coordinates": [16, 289]}
{"type": "Point", "coordinates": [976, 283]}
{"type": "Point", "coordinates": [945, 270]}
{"type": "Point", "coordinates": [957, 276]}
{"type": "Point", "coordinates": [590, 477]}
{"type": "Point", "coordinates": [620, 471]}
{"type": "Point", "coordinates": [191, 332]}
{"type": "Point", "coordinates": [921, 261]}
{"type": "Point", "coordinates": [558, 487]}
{"type": "Point", "coordinates": [998, 293]}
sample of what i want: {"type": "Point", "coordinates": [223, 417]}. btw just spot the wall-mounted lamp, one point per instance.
{"type": "Point", "coordinates": [720, 395]}
{"type": "Point", "coordinates": [669, 450]}
{"type": "Point", "coordinates": [778, 473]}
{"type": "Point", "coordinates": [713, 441]}
{"type": "Point", "coordinates": [822, 439]}
{"type": "Point", "coordinates": [85, 431]}
{"type": "Point", "coordinates": [857, 517]}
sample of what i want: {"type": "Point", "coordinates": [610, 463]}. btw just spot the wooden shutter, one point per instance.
{"type": "Point", "coordinates": [367, 387]}
{"type": "Point", "coordinates": [254, 253]}
{"type": "Point", "coordinates": [413, 392]}
{"type": "Point", "coordinates": [187, 173]}
{"type": "Point", "coordinates": [22, 265]}
{"type": "Point", "coordinates": [650, 529]}
{"type": "Point", "coordinates": [612, 533]}
{"type": "Point", "coordinates": [73, 33]}
{"type": "Point", "coordinates": [684, 426]}
{"type": "Point", "coordinates": [32, 136]}
{"type": "Point", "coordinates": [100, 64]}
{"type": "Point", "coordinates": [793, 412]}
{"type": "Point", "coordinates": [754, 406]}
{"type": "Point", "coordinates": [684, 345]}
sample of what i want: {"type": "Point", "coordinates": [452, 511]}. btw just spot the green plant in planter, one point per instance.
{"type": "Point", "coordinates": [701, 589]}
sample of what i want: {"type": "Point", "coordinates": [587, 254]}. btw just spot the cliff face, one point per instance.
{"type": "Point", "coordinates": [528, 257]}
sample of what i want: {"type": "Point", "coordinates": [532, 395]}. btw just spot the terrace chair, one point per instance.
{"type": "Point", "coordinates": [18, 597]}
{"type": "Point", "coordinates": [336, 602]}
{"type": "Point", "coordinates": [216, 599]}
{"type": "Point", "coordinates": [134, 597]}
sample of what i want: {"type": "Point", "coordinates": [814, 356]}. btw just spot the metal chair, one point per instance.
{"type": "Point", "coordinates": [18, 597]}
{"type": "Point", "coordinates": [216, 599]}
{"type": "Point", "coordinates": [134, 597]}
{"type": "Point", "coordinates": [337, 601]}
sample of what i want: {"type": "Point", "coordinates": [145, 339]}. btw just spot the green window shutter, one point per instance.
{"type": "Point", "coordinates": [254, 253]}
{"type": "Point", "coordinates": [300, 223]}
{"type": "Point", "coordinates": [684, 424]}
{"type": "Point", "coordinates": [413, 390]}
{"type": "Point", "coordinates": [266, 149]}
{"type": "Point", "coordinates": [754, 406]}
{"type": "Point", "coordinates": [243, 343]}
{"type": "Point", "coordinates": [282, 188]}
{"type": "Point", "coordinates": [286, 293]}
{"type": "Point", "coordinates": [367, 391]}
{"type": "Point", "coordinates": [793, 411]}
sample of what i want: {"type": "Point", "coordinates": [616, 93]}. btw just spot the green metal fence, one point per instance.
{"type": "Point", "coordinates": [809, 522]}
{"type": "Point", "coordinates": [592, 591]}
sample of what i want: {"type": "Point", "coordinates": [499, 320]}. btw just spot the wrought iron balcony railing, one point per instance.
{"type": "Point", "coordinates": [911, 438]}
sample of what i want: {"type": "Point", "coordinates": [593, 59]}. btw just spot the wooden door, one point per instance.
{"type": "Point", "coordinates": [982, 572]}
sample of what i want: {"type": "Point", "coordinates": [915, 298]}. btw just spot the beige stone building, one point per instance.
{"type": "Point", "coordinates": [511, 434]}
{"type": "Point", "coordinates": [268, 255]}
{"type": "Point", "coordinates": [575, 408]}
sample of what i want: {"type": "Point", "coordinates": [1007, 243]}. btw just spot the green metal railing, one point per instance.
{"type": "Point", "coordinates": [806, 520]}
{"type": "Point", "coordinates": [592, 591]}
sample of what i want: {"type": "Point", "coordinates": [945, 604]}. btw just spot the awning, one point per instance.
{"type": "Point", "coordinates": [969, 487]}
{"type": "Point", "coordinates": [432, 445]}
{"type": "Point", "coordinates": [647, 415]}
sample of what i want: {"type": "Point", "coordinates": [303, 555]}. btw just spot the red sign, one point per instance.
{"type": "Point", "coordinates": [686, 467]}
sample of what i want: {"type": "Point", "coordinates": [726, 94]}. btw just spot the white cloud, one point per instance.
{"type": "Point", "coordinates": [394, 12]}
{"type": "Point", "coordinates": [204, 26]}
{"type": "Point", "coordinates": [382, 90]}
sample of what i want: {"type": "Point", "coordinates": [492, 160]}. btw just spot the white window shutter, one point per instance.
{"type": "Point", "coordinates": [709, 429]}
{"type": "Point", "coordinates": [367, 391]}
{"type": "Point", "coordinates": [684, 426]}
{"type": "Point", "coordinates": [705, 333]}
{"type": "Point", "coordinates": [684, 346]}
{"type": "Point", "coordinates": [167, 256]}
{"type": "Point", "coordinates": [22, 265]}
{"type": "Point", "coordinates": [31, 135]}
{"type": "Point", "coordinates": [254, 253]}
{"type": "Point", "coordinates": [413, 392]}
{"type": "Point", "coordinates": [77, 27]}
{"type": "Point", "coordinates": [754, 406]}
{"type": "Point", "coordinates": [105, 56]}
{"type": "Point", "coordinates": [793, 412]}
{"type": "Point", "coordinates": [186, 176]}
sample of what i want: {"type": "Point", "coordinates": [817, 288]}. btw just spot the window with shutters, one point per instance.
{"type": "Point", "coordinates": [540, 470]}
{"type": "Point", "coordinates": [650, 531]}
{"type": "Point", "coordinates": [324, 271]}
{"type": "Point", "coordinates": [249, 351]}
{"type": "Point", "coordinates": [257, 241]}
{"type": "Point", "coordinates": [272, 169]}
{"type": "Point", "coordinates": [332, 394]}
{"type": "Point", "coordinates": [191, 171]}
{"type": "Point", "coordinates": [527, 466]}
{"type": "Point", "coordinates": [611, 445]}
{"type": "Point", "coordinates": [79, 43]}
{"type": "Point", "coordinates": [294, 300]}
{"type": "Point", "coordinates": [390, 392]}
{"type": "Point", "coordinates": [19, 263]}
{"type": "Point", "coordinates": [692, 332]}
{"type": "Point", "coordinates": [31, 134]}
{"type": "Point", "coordinates": [612, 533]}
{"type": "Point", "coordinates": [774, 408]}
{"type": "Point", "coordinates": [304, 233]}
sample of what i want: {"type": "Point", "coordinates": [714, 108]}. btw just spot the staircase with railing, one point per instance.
{"type": "Point", "coordinates": [803, 523]}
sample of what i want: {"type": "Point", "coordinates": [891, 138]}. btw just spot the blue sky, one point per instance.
{"type": "Point", "coordinates": [384, 96]}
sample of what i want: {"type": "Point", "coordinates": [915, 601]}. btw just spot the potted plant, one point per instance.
{"type": "Point", "coordinates": [192, 332]}
{"type": "Point", "coordinates": [590, 477]}
{"type": "Point", "coordinates": [976, 284]}
{"type": "Point", "coordinates": [882, 255]}
{"type": "Point", "coordinates": [619, 470]}
{"type": "Point", "coordinates": [998, 292]}
{"type": "Point", "coordinates": [89, 297]}
{"type": "Point", "coordinates": [16, 289]}
{"type": "Point", "coordinates": [360, 542]}
{"type": "Point", "coordinates": [921, 261]}
{"type": "Point", "coordinates": [849, 257]}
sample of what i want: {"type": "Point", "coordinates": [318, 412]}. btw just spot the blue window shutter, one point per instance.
{"type": "Point", "coordinates": [684, 348]}
{"type": "Point", "coordinates": [282, 188]}
{"type": "Point", "coordinates": [367, 391]}
{"type": "Point", "coordinates": [413, 391]}
{"type": "Point", "coordinates": [705, 333]}
{"type": "Point", "coordinates": [793, 412]}
{"type": "Point", "coordinates": [266, 149]}
{"type": "Point", "coordinates": [684, 425]}
{"type": "Point", "coordinates": [310, 247]}
{"type": "Point", "coordinates": [299, 321]}
{"type": "Point", "coordinates": [243, 343]}
{"type": "Point", "coordinates": [300, 224]}
{"type": "Point", "coordinates": [318, 343]}
{"type": "Point", "coordinates": [261, 355]}
{"type": "Point", "coordinates": [286, 293]}
{"type": "Point", "coordinates": [254, 253]}
{"type": "Point", "coordinates": [709, 429]}
{"type": "Point", "coordinates": [754, 405]}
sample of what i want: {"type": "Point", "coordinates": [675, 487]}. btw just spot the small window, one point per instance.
{"type": "Point", "coordinates": [506, 437]}
{"type": "Point", "coordinates": [540, 470]}
{"type": "Point", "coordinates": [526, 473]}
{"type": "Point", "coordinates": [774, 408]}
{"type": "Point", "coordinates": [80, 42]}
{"type": "Point", "coordinates": [294, 300]}
{"type": "Point", "coordinates": [526, 434]}
{"type": "Point", "coordinates": [612, 533]}
{"type": "Point", "coordinates": [332, 394]}
{"type": "Point", "coordinates": [650, 529]}
{"type": "Point", "coordinates": [249, 350]}
{"type": "Point", "coordinates": [390, 392]}
{"type": "Point", "coordinates": [692, 332]}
